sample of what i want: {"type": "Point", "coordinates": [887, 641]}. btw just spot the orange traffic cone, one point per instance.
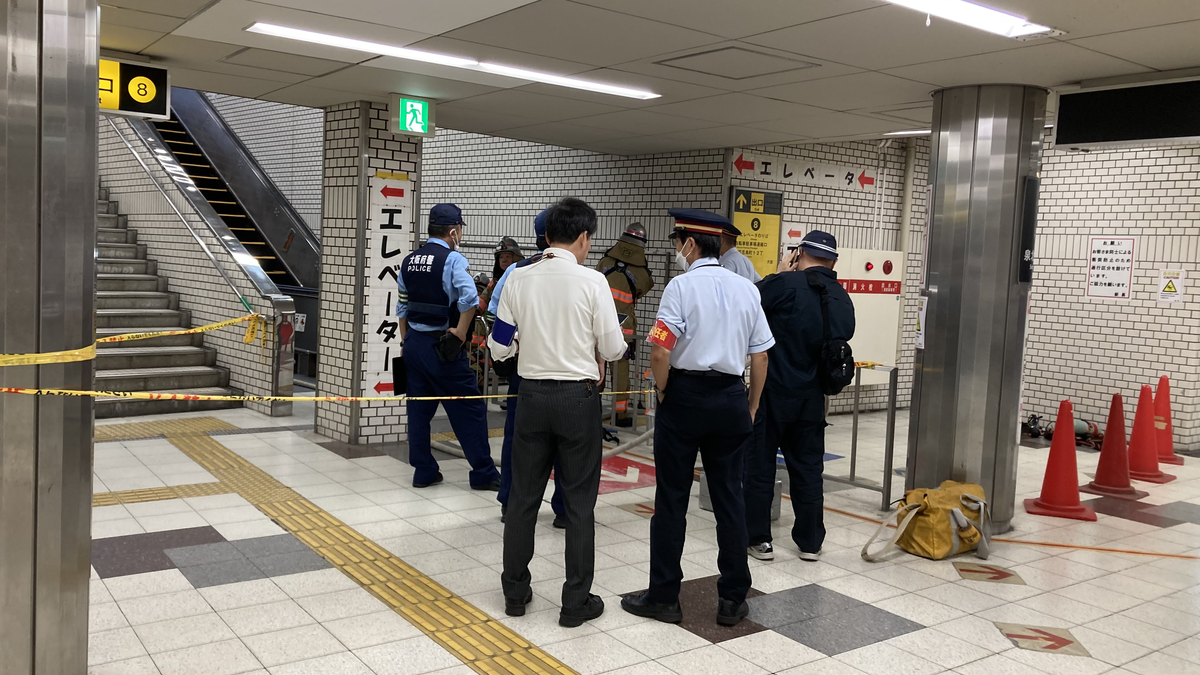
{"type": "Point", "coordinates": [1143, 444]}
{"type": "Point", "coordinates": [1060, 487]}
{"type": "Point", "coordinates": [1162, 423]}
{"type": "Point", "coordinates": [1112, 473]}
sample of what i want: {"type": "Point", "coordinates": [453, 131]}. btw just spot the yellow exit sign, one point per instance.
{"type": "Point", "coordinates": [134, 89]}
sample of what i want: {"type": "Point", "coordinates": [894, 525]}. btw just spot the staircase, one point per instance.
{"type": "Point", "coordinates": [132, 298]}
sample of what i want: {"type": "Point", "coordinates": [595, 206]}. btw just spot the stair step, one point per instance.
{"type": "Point", "coordinates": [108, 408]}
{"type": "Point", "coordinates": [111, 220]}
{"type": "Point", "coordinates": [161, 379]}
{"type": "Point", "coordinates": [127, 282]}
{"type": "Point", "coordinates": [139, 318]}
{"type": "Point", "coordinates": [104, 206]}
{"type": "Point", "coordinates": [125, 266]}
{"type": "Point", "coordinates": [121, 251]}
{"type": "Point", "coordinates": [164, 341]}
{"type": "Point", "coordinates": [102, 194]}
{"type": "Point", "coordinates": [115, 235]}
{"type": "Point", "coordinates": [154, 357]}
{"type": "Point", "coordinates": [136, 300]}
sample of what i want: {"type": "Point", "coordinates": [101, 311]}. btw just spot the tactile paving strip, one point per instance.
{"type": "Point", "coordinates": [484, 644]}
{"type": "Point", "coordinates": [160, 494]}
{"type": "Point", "coordinates": [135, 431]}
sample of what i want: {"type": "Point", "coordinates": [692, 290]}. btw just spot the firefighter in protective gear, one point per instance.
{"type": "Point", "coordinates": [506, 253]}
{"type": "Point", "coordinates": [624, 265]}
{"type": "Point", "coordinates": [476, 350]}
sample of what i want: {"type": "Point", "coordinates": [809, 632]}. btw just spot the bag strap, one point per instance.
{"type": "Point", "coordinates": [973, 503]}
{"type": "Point", "coordinates": [815, 282]}
{"type": "Point", "coordinates": [912, 510]}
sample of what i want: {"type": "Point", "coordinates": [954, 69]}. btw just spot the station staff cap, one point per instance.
{"type": "Point", "coordinates": [820, 245]}
{"type": "Point", "coordinates": [445, 214]}
{"type": "Point", "coordinates": [699, 221]}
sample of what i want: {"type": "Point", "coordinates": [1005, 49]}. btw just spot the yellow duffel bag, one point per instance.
{"type": "Point", "coordinates": [938, 524]}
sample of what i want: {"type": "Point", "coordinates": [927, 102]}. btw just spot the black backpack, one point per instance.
{"type": "Point", "coordinates": [835, 367]}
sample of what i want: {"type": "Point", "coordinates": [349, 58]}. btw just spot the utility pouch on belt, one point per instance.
{"type": "Point", "coordinates": [505, 368]}
{"type": "Point", "coordinates": [399, 376]}
{"type": "Point", "coordinates": [448, 348]}
{"type": "Point", "coordinates": [938, 524]}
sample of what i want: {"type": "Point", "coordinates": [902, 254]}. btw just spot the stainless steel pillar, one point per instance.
{"type": "Point", "coordinates": [48, 54]}
{"type": "Point", "coordinates": [987, 143]}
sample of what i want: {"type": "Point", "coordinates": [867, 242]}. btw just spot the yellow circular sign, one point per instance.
{"type": "Point", "coordinates": [142, 90]}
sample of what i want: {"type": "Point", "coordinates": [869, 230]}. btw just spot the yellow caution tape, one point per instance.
{"type": "Point", "coordinates": [88, 353]}
{"type": "Point", "coordinates": [168, 396]}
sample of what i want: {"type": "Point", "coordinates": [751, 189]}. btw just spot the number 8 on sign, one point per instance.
{"type": "Point", "coordinates": [142, 90]}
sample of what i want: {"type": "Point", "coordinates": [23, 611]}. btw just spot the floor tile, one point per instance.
{"type": "Point", "coordinates": [885, 659]}
{"type": "Point", "coordinates": [219, 658]}
{"type": "Point", "coordinates": [978, 632]}
{"type": "Point", "coordinates": [797, 604]}
{"type": "Point", "coordinates": [368, 630]}
{"type": "Point", "coordinates": [771, 651]}
{"type": "Point", "coordinates": [165, 636]}
{"type": "Point", "coordinates": [656, 639]}
{"type": "Point", "coordinates": [203, 554]}
{"type": "Point", "coordinates": [1064, 608]}
{"type": "Point", "coordinates": [407, 657]}
{"type": "Point", "coordinates": [698, 599]}
{"type": "Point", "coordinates": [242, 594]}
{"type": "Point", "coordinates": [711, 660]}
{"type": "Point", "coordinates": [281, 564]}
{"type": "Point", "coordinates": [155, 608]}
{"type": "Point", "coordinates": [248, 529]}
{"type": "Point", "coordinates": [1165, 617]}
{"type": "Point", "coordinates": [1058, 664]}
{"type": "Point", "coordinates": [340, 605]}
{"type": "Point", "coordinates": [267, 618]}
{"type": "Point", "coordinates": [945, 650]}
{"type": "Point", "coordinates": [919, 609]}
{"type": "Point", "coordinates": [1108, 648]}
{"type": "Point", "coordinates": [120, 644]}
{"type": "Point", "coordinates": [849, 629]}
{"type": "Point", "coordinates": [961, 597]}
{"type": "Point", "coordinates": [293, 644]}
{"type": "Point", "coordinates": [222, 573]}
{"type": "Point", "coordinates": [862, 588]}
{"type": "Point", "coordinates": [343, 663]}
{"type": "Point", "coordinates": [598, 653]}
{"type": "Point", "coordinates": [1137, 632]}
{"type": "Point", "coordinates": [541, 627]}
{"type": "Point", "coordinates": [314, 583]}
{"type": "Point", "coordinates": [142, 665]}
{"type": "Point", "coordinates": [106, 616]}
{"type": "Point", "coordinates": [258, 547]}
{"type": "Point", "coordinates": [997, 664]}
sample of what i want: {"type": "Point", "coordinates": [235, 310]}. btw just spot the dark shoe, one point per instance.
{"type": "Point", "coordinates": [638, 605]}
{"type": "Point", "coordinates": [517, 608]}
{"type": "Point", "coordinates": [625, 422]}
{"type": "Point", "coordinates": [729, 614]}
{"type": "Point", "coordinates": [494, 486]}
{"type": "Point", "coordinates": [503, 512]}
{"type": "Point", "coordinates": [560, 521]}
{"type": "Point", "coordinates": [435, 481]}
{"type": "Point", "coordinates": [574, 617]}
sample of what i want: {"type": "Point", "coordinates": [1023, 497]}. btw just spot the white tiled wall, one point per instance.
{"type": "Point", "coordinates": [341, 341]}
{"type": "Point", "coordinates": [286, 141]}
{"type": "Point", "coordinates": [182, 262]}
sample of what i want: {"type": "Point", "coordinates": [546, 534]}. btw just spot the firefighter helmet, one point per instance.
{"type": "Point", "coordinates": [509, 245]}
{"type": "Point", "coordinates": [634, 234]}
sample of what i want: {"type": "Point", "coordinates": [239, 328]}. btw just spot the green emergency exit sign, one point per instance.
{"type": "Point", "coordinates": [411, 116]}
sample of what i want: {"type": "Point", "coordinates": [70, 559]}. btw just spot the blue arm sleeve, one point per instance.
{"type": "Point", "coordinates": [494, 305]}
{"type": "Point", "coordinates": [458, 282]}
{"type": "Point", "coordinates": [401, 298]}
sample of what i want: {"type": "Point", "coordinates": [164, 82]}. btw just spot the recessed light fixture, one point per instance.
{"type": "Point", "coordinates": [445, 60]}
{"type": "Point", "coordinates": [978, 16]}
{"type": "Point", "coordinates": [910, 132]}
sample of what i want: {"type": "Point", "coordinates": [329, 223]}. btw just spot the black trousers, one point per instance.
{"type": "Point", "coordinates": [797, 428]}
{"type": "Point", "coordinates": [709, 416]}
{"type": "Point", "coordinates": [556, 421]}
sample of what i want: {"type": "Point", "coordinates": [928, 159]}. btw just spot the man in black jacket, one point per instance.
{"type": "Point", "coordinates": [792, 414]}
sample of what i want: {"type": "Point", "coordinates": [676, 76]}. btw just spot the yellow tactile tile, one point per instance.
{"type": "Point", "coordinates": [140, 430]}
{"type": "Point", "coordinates": [160, 494]}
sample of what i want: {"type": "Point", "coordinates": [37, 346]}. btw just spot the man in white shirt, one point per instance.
{"type": "Point", "coordinates": [568, 328]}
{"type": "Point", "coordinates": [733, 259]}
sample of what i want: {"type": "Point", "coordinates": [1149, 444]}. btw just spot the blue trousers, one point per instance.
{"type": "Point", "coordinates": [427, 376]}
{"type": "Point", "coordinates": [510, 427]}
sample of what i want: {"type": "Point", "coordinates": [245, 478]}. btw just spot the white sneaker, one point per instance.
{"type": "Point", "coordinates": [762, 551]}
{"type": "Point", "coordinates": [810, 557]}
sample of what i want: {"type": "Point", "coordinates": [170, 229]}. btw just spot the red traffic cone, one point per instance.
{"type": "Point", "coordinates": [1060, 487]}
{"type": "Point", "coordinates": [1112, 473]}
{"type": "Point", "coordinates": [1143, 444]}
{"type": "Point", "coordinates": [1162, 424]}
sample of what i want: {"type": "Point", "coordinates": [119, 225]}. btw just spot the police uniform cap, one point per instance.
{"type": "Point", "coordinates": [445, 214]}
{"type": "Point", "coordinates": [539, 223]}
{"type": "Point", "coordinates": [699, 221]}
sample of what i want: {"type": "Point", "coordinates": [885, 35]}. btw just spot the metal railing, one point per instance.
{"type": "Point", "coordinates": [889, 442]}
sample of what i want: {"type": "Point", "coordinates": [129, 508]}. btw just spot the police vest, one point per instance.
{"type": "Point", "coordinates": [428, 302]}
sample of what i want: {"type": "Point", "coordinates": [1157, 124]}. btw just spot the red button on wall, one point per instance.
{"type": "Point", "coordinates": [870, 266]}
{"type": "Point", "coordinates": [887, 267]}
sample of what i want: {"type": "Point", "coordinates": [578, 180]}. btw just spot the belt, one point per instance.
{"type": "Point", "coordinates": [701, 373]}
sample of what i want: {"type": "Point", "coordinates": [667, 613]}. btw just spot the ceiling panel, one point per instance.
{"type": "Point", "coordinates": [1081, 18]}
{"type": "Point", "coordinates": [288, 63]}
{"type": "Point", "coordinates": [314, 97]}
{"type": "Point", "coordinates": [737, 109]}
{"type": "Point", "coordinates": [478, 121]}
{"type": "Point", "coordinates": [505, 57]}
{"type": "Point", "coordinates": [159, 23]}
{"type": "Point", "coordinates": [537, 107]}
{"type": "Point", "coordinates": [227, 20]}
{"type": "Point", "coordinates": [734, 19]}
{"type": "Point", "coordinates": [176, 8]}
{"type": "Point", "coordinates": [728, 137]}
{"type": "Point", "coordinates": [668, 90]}
{"type": "Point", "coordinates": [654, 66]}
{"type": "Point", "coordinates": [1048, 64]}
{"type": "Point", "coordinates": [570, 31]}
{"type": "Point", "coordinates": [884, 37]}
{"type": "Point", "coordinates": [1171, 47]}
{"type": "Point", "coordinates": [643, 122]}
{"type": "Point", "coordinates": [381, 82]}
{"type": "Point", "coordinates": [642, 145]}
{"type": "Point", "coordinates": [832, 124]}
{"type": "Point", "coordinates": [175, 48]}
{"type": "Point", "coordinates": [423, 16]}
{"type": "Point", "coordinates": [223, 83]}
{"type": "Point", "coordinates": [851, 92]}
{"type": "Point", "coordinates": [564, 133]}
{"type": "Point", "coordinates": [126, 39]}
{"type": "Point", "coordinates": [922, 114]}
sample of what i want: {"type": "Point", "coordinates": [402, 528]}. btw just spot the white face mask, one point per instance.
{"type": "Point", "coordinates": [681, 259]}
{"type": "Point", "coordinates": [455, 242]}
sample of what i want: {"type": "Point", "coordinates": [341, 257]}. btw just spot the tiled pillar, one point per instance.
{"type": "Point", "coordinates": [357, 145]}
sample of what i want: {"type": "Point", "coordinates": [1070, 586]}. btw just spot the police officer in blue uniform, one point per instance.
{"type": "Point", "coordinates": [436, 307]}
{"type": "Point", "coordinates": [708, 321]}
{"type": "Point", "coordinates": [514, 388]}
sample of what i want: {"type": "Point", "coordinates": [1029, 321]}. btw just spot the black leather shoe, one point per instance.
{"type": "Point", "coordinates": [517, 608]}
{"type": "Point", "coordinates": [560, 521]}
{"type": "Point", "coordinates": [638, 605]}
{"type": "Point", "coordinates": [494, 486]}
{"type": "Point", "coordinates": [503, 512]}
{"type": "Point", "coordinates": [575, 616]}
{"type": "Point", "coordinates": [437, 479]}
{"type": "Point", "coordinates": [729, 614]}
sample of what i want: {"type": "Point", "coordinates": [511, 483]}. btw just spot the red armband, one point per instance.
{"type": "Point", "coordinates": [662, 336]}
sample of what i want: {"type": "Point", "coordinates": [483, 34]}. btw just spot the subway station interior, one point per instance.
{"type": "Point", "coordinates": [933, 406]}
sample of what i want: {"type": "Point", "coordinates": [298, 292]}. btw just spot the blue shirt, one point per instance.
{"type": "Point", "coordinates": [734, 261]}
{"type": "Point", "coordinates": [456, 281]}
{"type": "Point", "coordinates": [494, 305]}
{"type": "Point", "coordinates": [715, 318]}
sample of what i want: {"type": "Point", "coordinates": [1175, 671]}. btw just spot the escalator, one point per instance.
{"type": "Point", "coordinates": [255, 211]}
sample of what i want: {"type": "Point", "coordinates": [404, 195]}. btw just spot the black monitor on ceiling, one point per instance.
{"type": "Point", "coordinates": [1152, 113]}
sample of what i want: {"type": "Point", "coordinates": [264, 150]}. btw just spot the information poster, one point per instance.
{"type": "Point", "coordinates": [1110, 268]}
{"type": "Point", "coordinates": [389, 240]}
{"type": "Point", "coordinates": [922, 304]}
{"type": "Point", "coordinates": [758, 215]}
{"type": "Point", "coordinates": [1171, 285]}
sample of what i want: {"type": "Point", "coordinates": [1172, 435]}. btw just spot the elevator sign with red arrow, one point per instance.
{"type": "Point", "coordinates": [800, 171]}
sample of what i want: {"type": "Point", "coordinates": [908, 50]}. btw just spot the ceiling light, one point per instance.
{"type": "Point", "coordinates": [978, 16]}
{"type": "Point", "coordinates": [534, 76]}
{"type": "Point", "coordinates": [360, 45]}
{"type": "Point", "coordinates": [445, 60]}
{"type": "Point", "coordinates": [910, 132]}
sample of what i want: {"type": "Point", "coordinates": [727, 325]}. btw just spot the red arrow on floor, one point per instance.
{"type": "Point", "coordinates": [795, 233]}
{"type": "Point", "coordinates": [396, 192]}
{"type": "Point", "coordinates": [996, 573]}
{"type": "Point", "coordinates": [1054, 641]}
{"type": "Point", "coordinates": [741, 164]}
{"type": "Point", "coordinates": [381, 387]}
{"type": "Point", "coordinates": [865, 180]}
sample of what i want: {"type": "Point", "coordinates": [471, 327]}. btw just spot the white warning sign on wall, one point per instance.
{"type": "Point", "coordinates": [1110, 267]}
{"type": "Point", "coordinates": [389, 240]}
{"type": "Point", "coordinates": [1171, 285]}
